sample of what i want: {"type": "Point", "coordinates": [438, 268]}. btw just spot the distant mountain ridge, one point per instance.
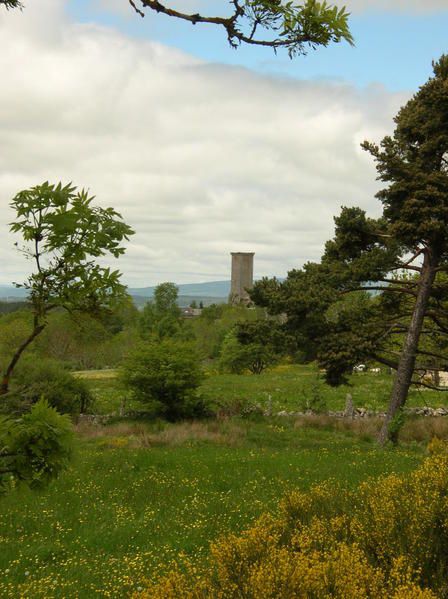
{"type": "Point", "coordinates": [11, 293]}
{"type": "Point", "coordinates": [218, 289]}
{"type": "Point", "coordinates": [214, 289]}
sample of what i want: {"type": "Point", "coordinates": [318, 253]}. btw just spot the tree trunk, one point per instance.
{"type": "Point", "coordinates": [407, 359]}
{"type": "Point", "coordinates": [4, 386]}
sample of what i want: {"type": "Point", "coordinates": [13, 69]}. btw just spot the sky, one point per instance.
{"type": "Point", "coordinates": [203, 149]}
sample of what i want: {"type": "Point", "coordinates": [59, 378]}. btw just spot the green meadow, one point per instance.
{"type": "Point", "coordinates": [137, 498]}
{"type": "Point", "coordinates": [290, 387]}
{"type": "Point", "coordinates": [140, 495]}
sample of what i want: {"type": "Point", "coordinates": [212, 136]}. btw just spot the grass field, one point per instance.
{"type": "Point", "coordinates": [138, 496]}
{"type": "Point", "coordinates": [289, 387]}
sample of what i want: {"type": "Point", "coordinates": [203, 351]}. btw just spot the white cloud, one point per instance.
{"type": "Point", "coordinates": [356, 6]}
{"type": "Point", "coordinates": [200, 159]}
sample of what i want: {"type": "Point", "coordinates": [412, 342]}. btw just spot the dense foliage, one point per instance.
{"type": "Point", "coordinates": [48, 379]}
{"type": "Point", "coordinates": [215, 323]}
{"type": "Point", "coordinates": [164, 376]}
{"type": "Point", "coordinates": [252, 345]}
{"type": "Point", "coordinates": [63, 235]}
{"type": "Point", "coordinates": [8, 4]}
{"type": "Point", "coordinates": [82, 342]}
{"type": "Point", "coordinates": [162, 316]}
{"type": "Point", "coordinates": [35, 447]}
{"type": "Point", "coordinates": [403, 255]}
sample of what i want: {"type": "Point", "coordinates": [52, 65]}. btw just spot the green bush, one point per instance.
{"type": "Point", "coordinates": [48, 379]}
{"type": "Point", "coordinates": [35, 447]}
{"type": "Point", "coordinates": [215, 322]}
{"type": "Point", "coordinates": [165, 376]}
{"type": "Point", "coordinates": [254, 355]}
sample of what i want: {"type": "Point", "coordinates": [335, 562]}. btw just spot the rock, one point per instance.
{"type": "Point", "coordinates": [349, 411]}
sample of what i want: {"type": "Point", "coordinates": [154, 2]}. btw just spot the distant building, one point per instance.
{"type": "Point", "coordinates": [242, 277]}
{"type": "Point", "coordinates": [438, 378]}
{"type": "Point", "coordinates": [190, 312]}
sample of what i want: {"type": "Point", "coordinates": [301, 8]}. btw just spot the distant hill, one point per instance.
{"type": "Point", "coordinates": [213, 289]}
{"type": "Point", "coordinates": [182, 300]}
{"type": "Point", "coordinates": [11, 293]}
{"type": "Point", "coordinates": [215, 292]}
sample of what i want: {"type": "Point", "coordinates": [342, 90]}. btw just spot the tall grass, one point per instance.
{"type": "Point", "coordinates": [139, 495]}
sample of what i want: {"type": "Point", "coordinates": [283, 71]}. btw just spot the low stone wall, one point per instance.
{"type": "Point", "coordinates": [101, 419]}
{"type": "Point", "coordinates": [364, 413]}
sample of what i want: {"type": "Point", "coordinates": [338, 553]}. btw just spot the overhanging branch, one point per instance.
{"type": "Point", "coordinates": [322, 27]}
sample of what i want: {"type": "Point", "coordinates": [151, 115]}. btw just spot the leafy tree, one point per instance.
{"type": "Point", "coordinates": [162, 316]}
{"type": "Point", "coordinates": [164, 376]}
{"type": "Point", "coordinates": [49, 379]}
{"type": "Point", "coordinates": [7, 307]}
{"type": "Point", "coordinates": [165, 299]}
{"type": "Point", "coordinates": [63, 235]}
{"type": "Point", "coordinates": [270, 23]}
{"type": "Point", "coordinates": [252, 346]}
{"type": "Point", "coordinates": [14, 330]}
{"type": "Point", "coordinates": [215, 322]}
{"type": "Point", "coordinates": [233, 356]}
{"type": "Point", "coordinates": [402, 256]}
{"type": "Point", "coordinates": [34, 448]}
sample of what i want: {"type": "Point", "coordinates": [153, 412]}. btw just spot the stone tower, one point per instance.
{"type": "Point", "coordinates": [242, 277]}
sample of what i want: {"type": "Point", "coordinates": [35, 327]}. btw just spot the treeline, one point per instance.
{"type": "Point", "coordinates": [124, 338]}
{"type": "Point", "coordinates": [7, 307]}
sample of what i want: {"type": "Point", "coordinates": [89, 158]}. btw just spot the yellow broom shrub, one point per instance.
{"type": "Point", "coordinates": [387, 540]}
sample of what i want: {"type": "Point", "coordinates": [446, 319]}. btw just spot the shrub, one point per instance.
{"type": "Point", "coordinates": [387, 540]}
{"type": "Point", "coordinates": [165, 376]}
{"type": "Point", "coordinates": [233, 357]}
{"type": "Point", "coordinates": [312, 398]}
{"type": "Point", "coordinates": [34, 448]}
{"type": "Point", "coordinates": [48, 379]}
{"type": "Point", "coordinates": [236, 357]}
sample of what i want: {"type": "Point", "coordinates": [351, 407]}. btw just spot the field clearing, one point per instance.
{"type": "Point", "coordinates": [96, 375]}
{"type": "Point", "coordinates": [123, 512]}
{"type": "Point", "coordinates": [287, 387]}
{"type": "Point", "coordinates": [141, 494]}
{"type": "Point", "coordinates": [298, 387]}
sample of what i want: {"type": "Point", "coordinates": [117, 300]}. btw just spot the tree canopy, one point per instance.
{"type": "Point", "coordinates": [63, 236]}
{"type": "Point", "coordinates": [393, 267]}
{"type": "Point", "coordinates": [162, 317]}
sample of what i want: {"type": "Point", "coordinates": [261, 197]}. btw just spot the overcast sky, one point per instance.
{"type": "Point", "coordinates": [203, 149]}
